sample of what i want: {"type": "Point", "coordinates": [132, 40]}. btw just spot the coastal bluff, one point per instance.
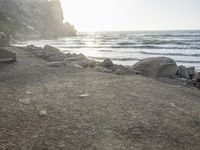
{"type": "Point", "coordinates": [29, 19]}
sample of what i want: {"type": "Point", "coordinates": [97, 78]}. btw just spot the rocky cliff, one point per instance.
{"type": "Point", "coordinates": [33, 19]}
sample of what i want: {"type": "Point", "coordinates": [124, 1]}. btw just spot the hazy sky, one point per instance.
{"type": "Point", "coordinates": [101, 15]}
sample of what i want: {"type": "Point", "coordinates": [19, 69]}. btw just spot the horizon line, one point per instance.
{"type": "Point", "coordinates": [140, 30]}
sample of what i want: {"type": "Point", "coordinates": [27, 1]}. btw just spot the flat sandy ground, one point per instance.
{"type": "Point", "coordinates": [119, 112]}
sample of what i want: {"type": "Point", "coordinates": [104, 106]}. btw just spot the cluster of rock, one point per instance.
{"type": "Point", "coordinates": [57, 59]}
{"type": "Point", "coordinates": [167, 67]}
{"type": "Point", "coordinates": [152, 67]}
{"type": "Point", "coordinates": [189, 76]}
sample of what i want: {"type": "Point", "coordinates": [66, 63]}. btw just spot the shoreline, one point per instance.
{"type": "Point", "coordinates": [186, 76]}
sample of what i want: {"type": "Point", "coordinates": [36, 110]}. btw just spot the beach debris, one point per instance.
{"type": "Point", "coordinates": [43, 112]}
{"type": "Point", "coordinates": [25, 101]}
{"type": "Point", "coordinates": [84, 95]}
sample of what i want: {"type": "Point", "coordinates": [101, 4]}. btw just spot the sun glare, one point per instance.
{"type": "Point", "coordinates": [90, 15]}
{"type": "Point", "coordinates": [101, 15]}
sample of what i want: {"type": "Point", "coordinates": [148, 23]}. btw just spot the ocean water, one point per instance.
{"type": "Point", "coordinates": [127, 48]}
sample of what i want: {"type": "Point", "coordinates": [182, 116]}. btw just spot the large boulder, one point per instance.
{"type": "Point", "coordinates": [157, 67]}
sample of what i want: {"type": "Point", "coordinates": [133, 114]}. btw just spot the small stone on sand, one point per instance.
{"type": "Point", "coordinates": [173, 105]}
{"type": "Point", "coordinates": [28, 92]}
{"type": "Point", "coordinates": [84, 95]}
{"type": "Point", "coordinates": [43, 112]}
{"type": "Point", "coordinates": [25, 101]}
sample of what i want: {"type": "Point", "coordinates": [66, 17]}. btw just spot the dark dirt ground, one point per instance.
{"type": "Point", "coordinates": [120, 113]}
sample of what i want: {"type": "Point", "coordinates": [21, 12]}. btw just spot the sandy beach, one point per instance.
{"type": "Point", "coordinates": [71, 108]}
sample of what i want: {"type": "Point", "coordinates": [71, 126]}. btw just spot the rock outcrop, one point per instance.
{"type": "Point", "coordinates": [157, 67]}
{"type": "Point", "coordinates": [33, 19]}
{"type": "Point", "coordinates": [4, 40]}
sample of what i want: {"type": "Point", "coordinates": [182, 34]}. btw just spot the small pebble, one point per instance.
{"type": "Point", "coordinates": [28, 92]}
{"type": "Point", "coordinates": [172, 104]}
{"type": "Point", "coordinates": [25, 101]}
{"type": "Point", "coordinates": [84, 95]}
{"type": "Point", "coordinates": [43, 113]}
{"type": "Point", "coordinates": [61, 144]}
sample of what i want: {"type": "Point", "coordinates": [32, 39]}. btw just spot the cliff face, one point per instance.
{"type": "Point", "coordinates": [33, 19]}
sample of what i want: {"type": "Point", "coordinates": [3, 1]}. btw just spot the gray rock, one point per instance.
{"type": "Point", "coordinates": [4, 39]}
{"type": "Point", "coordinates": [29, 92]}
{"type": "Point", "coordinates": [55, 57]}
{"type": "Point", "coordinates": [120, 72]}
{"type": "Point", "coordinates": [83, 95]}
{"type": "Point", "coordinates": [116, 67]}
{"type": "Point", "coordinates": [157, 67]}
{"type": "Point", "coordinates": [132, 71]}
{"type": "Point", "coordinates": [74, 57]}
{"type": "Point", "coordinates": [6, 55]}
{"type": "Point", "coordinates": [101, 69]}
{"type": "Point", "coordinates": [85, 63]}
{"type": "Point", "coordinates": [198, 86]}
{"type": "Point", "coordinates": [55, 64]}
{"type": "Point", "coordinates": [191, 71]}
{"type": "Point", "coordinates": [48, 53]}
{"type": "Point", "coordinates": [183, 72]}
{"type": "Point", "coordinates": [196, 75]}
{"type": "Point", "coordinates": [191, 83]}
{"type": "Point", "coordinates": [51, 48]}
{"type": "Point", "coordinates": [187, 73]}
{"type": "Point", "coordinates": [106, 63]}
{"type": "Point", "coordinates": [77, 66]}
